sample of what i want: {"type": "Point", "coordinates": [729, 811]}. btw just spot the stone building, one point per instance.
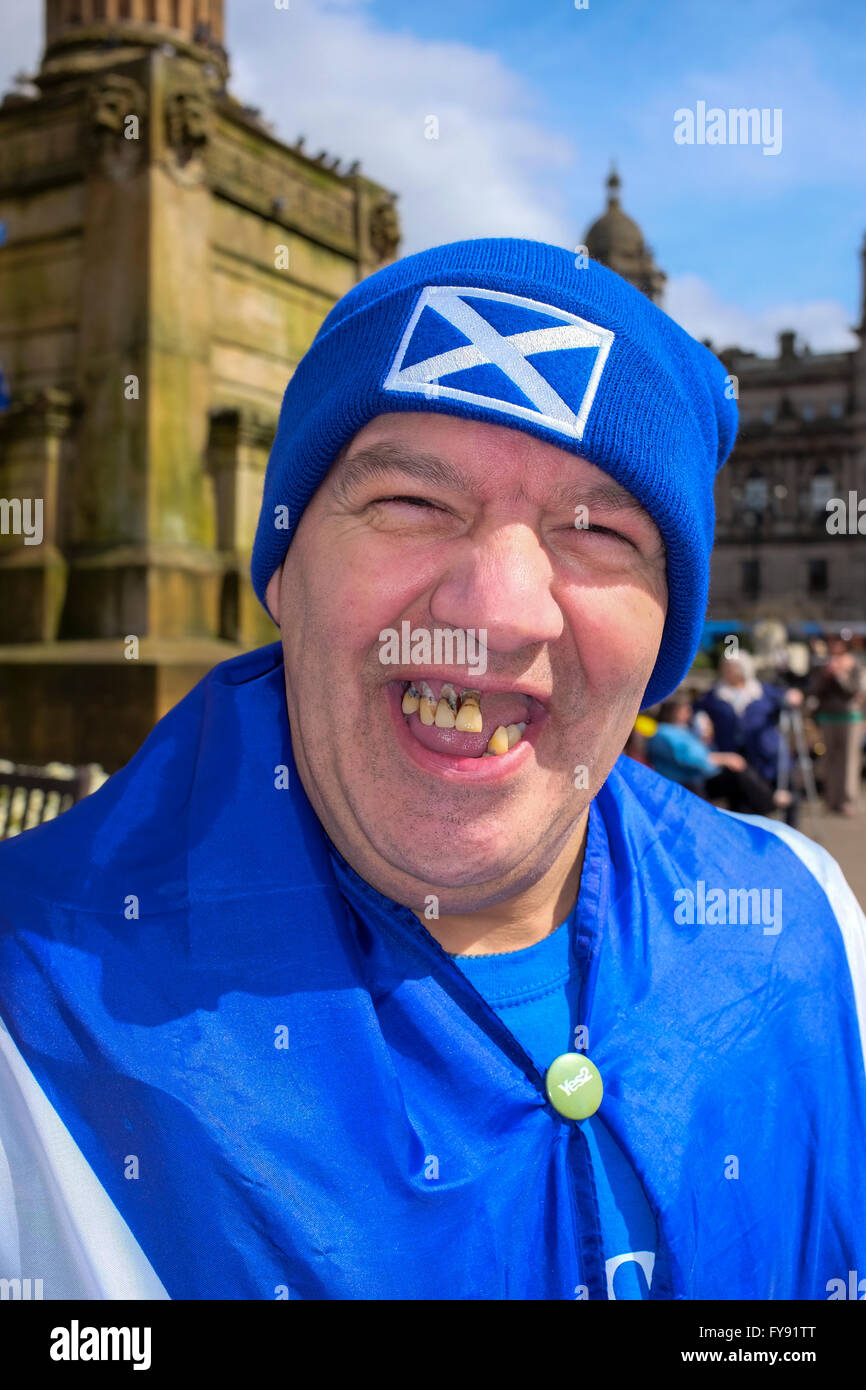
{"type": "Point", "coordinates": [800, 460]}
{"type": "Point", "coordinates": [801, 444]}
{"type": "Point", "coordinates": [617, 241]}
{"type": "Point", "coordinates": [164, 263]}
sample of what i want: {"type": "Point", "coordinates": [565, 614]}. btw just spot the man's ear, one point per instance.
{"type": "Point", "coordinates": [272, 594]}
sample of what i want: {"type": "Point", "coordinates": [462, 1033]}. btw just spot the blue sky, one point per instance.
{"type": "Point", "coordinates": [533, 97]}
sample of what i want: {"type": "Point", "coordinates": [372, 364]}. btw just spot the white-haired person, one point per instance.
{"type": "Point", "coordinates": [745, 714]}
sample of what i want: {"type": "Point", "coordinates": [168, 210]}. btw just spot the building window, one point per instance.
{"type": "Point", "coordinates": [837, 410]}
{"type": "Point", "coordinates": [808, 412]}
{"type": "Point", "coordinates": [818, 577]}
{"type": "Point", "coordinates": [822, 488]}
{"type": "Point", "coordinates": [768, 415]}
{"type": "Point", "coordinates": [755, 494]}
{"type": "Point", "coordinates": [751, 577]}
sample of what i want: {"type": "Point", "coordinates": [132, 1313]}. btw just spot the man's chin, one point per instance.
{"type": "Point", "coordinates": [466, 873]}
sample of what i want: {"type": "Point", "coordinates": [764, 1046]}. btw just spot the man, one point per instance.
{"type": "Point", "coordinates": [838, 686]}
{"type": "Point", "coordinates": [314, 999]}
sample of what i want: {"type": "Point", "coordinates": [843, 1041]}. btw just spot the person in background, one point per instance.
{"type": "Point", "coordinates": [769, 643]}
{"type": "Point", "coordinates": [745, 714]}
{"type": "Point", "coordinates": [838, 686]}
{"type": "Point", "coordinates": [680, 754]}
{"type": "Point", "coordinates": [795, 672]}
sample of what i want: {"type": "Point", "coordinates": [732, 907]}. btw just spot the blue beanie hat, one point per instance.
{"type": "Point", "coordinates": [530, 336]}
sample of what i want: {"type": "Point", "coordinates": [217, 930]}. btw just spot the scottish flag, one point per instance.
{"type": "Point", "coordinates": [485, 347]}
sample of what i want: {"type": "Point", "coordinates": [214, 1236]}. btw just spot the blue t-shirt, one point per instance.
{"type": "Point", "coordinates": [535, 993]}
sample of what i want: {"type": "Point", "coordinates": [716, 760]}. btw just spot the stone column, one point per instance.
{"type": "Point", "coordinates": [108, 524]}
{"type": "Point", "coordinates": [237, 458]}
{"type": "Point", "coordinates": [186, 577]}
{"type": "Point", "coordinates": [32, 482]}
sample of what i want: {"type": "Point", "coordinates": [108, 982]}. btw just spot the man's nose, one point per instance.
{"type": "Point", "coordinates": [502, 584]}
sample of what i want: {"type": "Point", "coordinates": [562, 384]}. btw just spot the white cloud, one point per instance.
{"type": "Point", "coordinates": [824, 324]}
{"type": "Point", "coordinates": [329, 71]}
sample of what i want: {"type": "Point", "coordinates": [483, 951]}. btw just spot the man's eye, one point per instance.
{"type": "Point", "coordinates": [604, 531]}
{"type": "Point", "coordinates": [409, 501]}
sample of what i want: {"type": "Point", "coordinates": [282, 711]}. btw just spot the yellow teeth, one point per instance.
{"type": "Point", "coordinates": [411, 701]}
{"type": "Point", "coordinates": [504, 738]}
{"type": "Point", "coordinates": [498, 740]}
{"type": "Point", "coordinates": [445, 718]}
{"type": "Point", "coordinates": [469, 720]}
{"type": "Point", "coordinates": [463, 714]}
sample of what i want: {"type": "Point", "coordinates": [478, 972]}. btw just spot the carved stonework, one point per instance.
{"type": "Point", "coordinates": [187, 123]}
{"type": "Point", "coordinates": [274, 188]}
{"type": "Point", "coordinates": [384, 229]}
{"type": "Point", "coordinates": [117, 114]}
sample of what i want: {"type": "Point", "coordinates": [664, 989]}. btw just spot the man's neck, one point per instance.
{"type": "Point", "coordinates": [523, 919]}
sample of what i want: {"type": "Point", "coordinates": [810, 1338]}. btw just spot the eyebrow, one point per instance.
{"type": "Point", "coordinates": [382, 460]}
{"type": "Point", "coordinates": [379, 460]}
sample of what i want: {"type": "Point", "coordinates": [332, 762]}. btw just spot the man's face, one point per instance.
{"type": "Point", "coordinates": [451, 524]}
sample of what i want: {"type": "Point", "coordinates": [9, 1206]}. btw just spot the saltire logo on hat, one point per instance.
{"type": "Point", "coordinates": [503, 351]}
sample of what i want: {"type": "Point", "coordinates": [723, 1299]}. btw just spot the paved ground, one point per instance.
{"type": "Point", "coordinates": [845, 839]}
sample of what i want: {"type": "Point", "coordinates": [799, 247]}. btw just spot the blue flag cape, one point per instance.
{"type": "Point", "coordinates": [235, 1070]}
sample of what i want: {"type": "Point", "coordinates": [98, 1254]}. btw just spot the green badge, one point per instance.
{"type": "Point", "coordinates": [574, 1086]}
